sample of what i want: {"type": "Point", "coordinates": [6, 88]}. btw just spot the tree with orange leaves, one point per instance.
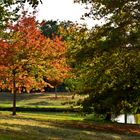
{"type": "Point", "coordinates": [27, 58]}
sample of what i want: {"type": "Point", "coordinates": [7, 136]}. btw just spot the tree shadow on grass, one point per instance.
{"type": "Point", "coordinates": [32, 99]}
{"type": "Point", "coordinates": [48, 132]}
{"type": "Point", "coordinates": [40, 103]}
{"type": "Point", "coordinates": [6, 96]}
{"type": "Point", "coordinates": [35, 129]}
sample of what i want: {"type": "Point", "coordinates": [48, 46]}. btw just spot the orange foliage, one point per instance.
{"type": "Point", "coordinates": [31, 56]}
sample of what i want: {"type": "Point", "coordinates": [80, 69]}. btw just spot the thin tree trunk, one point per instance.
{"type": "Point", "coordinates": [73, 96]}
{"type": "Point", "coordinates": [14, 94]}
{"type": "Point", "coordinates": [108, 116]}
{"type": "Point", "coordinates": [125, 118]}
{"type": "Point", "coordinates": [55, 92]}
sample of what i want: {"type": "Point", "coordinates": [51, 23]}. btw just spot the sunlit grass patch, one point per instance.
{"type": "Point", "coordinates": [49, 126]}
{"type": "Point", "coordinates": [137, 117]}
{"type": "Point", "coordinates": [54, 116]}
{"type": "Point", "coordinates": [37, 100]}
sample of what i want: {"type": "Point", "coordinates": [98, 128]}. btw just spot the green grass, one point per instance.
{"type": "Point", "coordinates": [44, 126]}
{"type": "Point", "coordinates": [47, 125]}
{"type": "Point", "coordinates": [137, 117]}
{"type": "Point", "coordinates": [37, 100]}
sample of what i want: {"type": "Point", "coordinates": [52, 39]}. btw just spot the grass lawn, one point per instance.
{"type": "Point", "coordinates": [56, 126]}
{"type": "Point", "coordinates": [51, 126]}
{"type": "Point", "coordinates": [37, 100]}
{"type": "Point", "coordinates": [137, 117]}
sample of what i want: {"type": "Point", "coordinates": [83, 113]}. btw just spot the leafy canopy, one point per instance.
{"type": "Point", "coordinates": [30, 56]}
{"type": "Point", "coordinates": [109, 66]}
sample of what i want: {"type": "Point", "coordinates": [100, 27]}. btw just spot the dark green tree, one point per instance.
{"type": "Point", "coordinates": [109, 67]}
{"type": "Point", "coordinates": [50, 28]}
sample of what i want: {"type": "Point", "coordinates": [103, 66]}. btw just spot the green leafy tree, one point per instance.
{"type": "Point", "coordinates": [109, 69]}
{"type": "Point", "coordinates": [50, 28]}
{"type": "Point", "coordinates": [75, 36]}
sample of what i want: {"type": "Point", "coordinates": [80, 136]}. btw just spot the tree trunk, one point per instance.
{"type": "Point", "coordinates": [73, 96]}
{"type": "Point", "coordinates": [108, 117]}
{"type": "Point", "coordinates": [125, 118]}
{"type": "Point", "coordinates": [14, 94]}
{"type": "Point", "coordinates": [55, 92]}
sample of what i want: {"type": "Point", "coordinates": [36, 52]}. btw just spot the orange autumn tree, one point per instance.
{"type": "Point", "coordinates": [27, 57]}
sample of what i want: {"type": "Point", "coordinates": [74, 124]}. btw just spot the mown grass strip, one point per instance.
{"type": "Point", "coordinates": [41, 109]}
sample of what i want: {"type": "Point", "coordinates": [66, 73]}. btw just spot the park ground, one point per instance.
{"type": "Point", "coordinates": [57, 125]}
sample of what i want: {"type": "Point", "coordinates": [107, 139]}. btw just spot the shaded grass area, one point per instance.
{"type": "Point", "coordinates": [37, 100]}
{"type": "Point", "coordinates": [51, 126]}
